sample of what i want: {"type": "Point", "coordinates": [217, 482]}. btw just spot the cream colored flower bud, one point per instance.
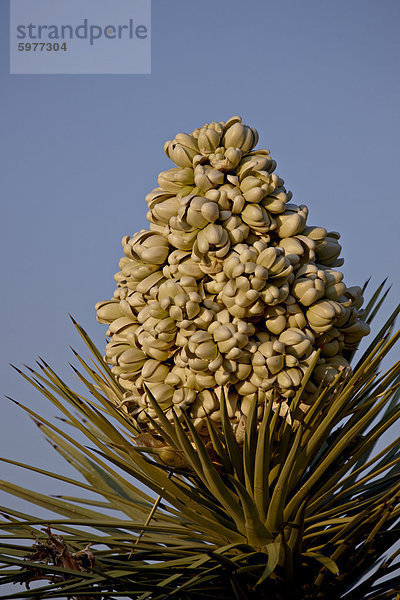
{"type": "Point", "coordinates": [234, 355]}
{"type": "Point", "coordinates": [259, 357]}
{"type": "Point", "coordinates": [239, 233]}
{"type": "Point", "coordinates": [192, 309]}
{"type": "Point", "coordinates": [292, 221]}
{"type": "Point", "coordinates": [257, 161]}
{"type": "Point", "coordinates": [214, 239]}
{"type": "Point", "coordinates": [291, 361]}
{"type": "Point", "coordinates": [163, 393]}
{"type": "Point", "coordinates": [108, 311]}
{"type": "Point", "coordinates": [224, 346]}
{"type": "Point", "coordinates": [132, 358]}
{"type": "Point", "coordinates": [250, 298]}
{"type": "Point", "coordinates": [158, 228]}
{"type": "Point", "coordinates": [202, 245]}
{"type": "Point", "coordinates": [292, 337]}
{"type": "Point", "coordinates": [203, 380]}
{"type": "Point", "coordinates": [136, 271]}
{"type": "Point", "coordinates": [123, 373]}
{"type": "Point", "coordinates": [243, 371]}
{"type": "Point", "coordinates": [276, 200]}
{"type": "Point", "coordinates": [205, 403]}
{"type": "Point", "coordinates": [238, 204]}
{"type": "Point", "coordinates": [295, 316]}
{"type": "Point", "coordinates": [129, 268]}
{"type": "Point", "coordinates": [267, 379]}
{"type": "Point", "coordinates": [174, 180]}
{"type": "Point", "coordinates": [162, 206]}
{"type": "Point", "coordinates": [183, 396]}
{"type": "Point", "coordinates": [153, 348]}
{"type": "Point", "coordinates": [256, 217]}
{"type": "Point", "coordinates": [220, 196]}
{"type": "Point", "coordinates": [239, 283]}
{"type": "Point", "coordinates": [204, 318]}
{"type": "Point", "coordinates": [176, 256]}
{"type": "Point", "coordinates": [136, 300]}
{"type": "Point", "coordinates": [315, 233]}
{"type": "Point", "coordinates": [169, 289]}
{"type": "Point", "coordinates": [155, 196]}
{"type": "Point", "coordinates": [232, 266]}
{"type": "Point", "coordinates": [189, 284]}
{"type": "Point", "coordinates": [207, 178]}
{"type": "Point", "coordinates": [275, 319]}
{"type": "Point", "coordinates": [225, 159]}
{"type": "Point", "coordinates": [145, 313]}
{"type": "Point", "coordinates": [166, 325]}
{"type": "Point", "coordinates": [222, 377]}
{"type": "Point", "coordinates": [309, 285]}
{"type": "Point", "coordinates": [207, 350]}
{"type": "Point", "coordinates": [240, 136]}
{"type": "Point", "coordinates": [245, 387]}
{"type": "Point", "coordinates": [292, 245]}
{"type": "Point", "coordinates": [210, 211]}
{"type": "Point", "coordinates": [250, 182]}
{"type": "Point", "coordinates": [280, 269]}
{"type": "Point", "coordinates": [328, 251]}
{"type": "Point", "coordinates": [189, 212]}
{"type": "Point", "coordinates": [267, 257]}
{"type": "Point", "coordinates": [335, 288]}
{"type": "Point", "coordinates": [254, 195]}
{"type": "Point", "coordinates": [122, 324]}
{"type": "Point", "coordinates": [189, 268]}
{"type": "Point", "coordinates": [275, 363]}
{"type": "Point", "coordinates": [155, 279]}
{"type": "Point", "coordinates": [221, 333]}
{"type": "Point", "coordinates": [149, 247]}
{"type": "Point", "coordinates": [327, 248]}
{"type": "Point", "coordinates": [182, 149]}
{"type": "Point", "coordinates": [114, 350]}
{"type": "Point", "coordinates": [272, 294]}
{"type": "Point", "coordinates": [216, 416]}
{"type": "Point", "coordinates": [214, 234]}
{"type": "Point", "coordinates": [289, 378]}
{"type": "Point", "coordinates": [322, 315]}
{"type": "Point", "coordinates": [209, 138]}
{"type": "Point", "coordinates": [154, 371]}
{"type": "Point", "coordinates": [215, 364]}
{"type": "Point", "coordinates": [182, 240]}
{"type": "Point", "coordinates": [246, 404]}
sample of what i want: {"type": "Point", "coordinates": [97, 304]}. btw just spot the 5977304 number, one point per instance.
{"type": "Point", "coordinates": [41, 46]}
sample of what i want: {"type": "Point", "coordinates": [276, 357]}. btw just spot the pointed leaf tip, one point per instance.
{"type": "Point", "coordinates": [12, 400]}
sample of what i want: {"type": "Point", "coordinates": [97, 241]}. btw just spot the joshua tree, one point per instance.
{"type": "Point", "coordinates": [231, 441]}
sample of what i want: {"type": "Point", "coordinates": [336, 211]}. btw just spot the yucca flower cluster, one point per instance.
{"type": "Point", "coordinates": [229, 291]}
{"type": "Point", "coordinates": [229, 451]}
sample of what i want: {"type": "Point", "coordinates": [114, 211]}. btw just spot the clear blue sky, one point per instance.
{"type": "Point", "coordinates": [319, 80]}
